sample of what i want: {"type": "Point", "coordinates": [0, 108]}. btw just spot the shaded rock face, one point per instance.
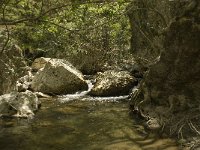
{"type": "Point", "coordinates": [146, 25]}
{"type": "Point", "coordinates": [12, 66]}
{"type": "Point", "coordinates": [176, 77]}
{"type": "Point", "coordinates": [58, 77]}
{"type": "Point", "coordinates": [174, 82]}
{"type": "Point", "coordinates": [113, 83]}
{"type": "Point", "coordinates": [31, 54]}
{"type": "Point", "coordinates": [17, 104]}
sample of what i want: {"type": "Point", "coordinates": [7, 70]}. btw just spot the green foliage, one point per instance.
{"type": "Point", "coordinates": [68, 28]}
{"type": "Point", "coordinates": [87, 33]}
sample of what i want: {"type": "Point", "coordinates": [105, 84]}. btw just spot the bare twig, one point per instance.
{"type": "Point", "coordinates": [60, 7]}
{"type": "Point", "coordinates": [7, 30]}
{"type": "Point", "coordinates": [55, 24]}
{"type": "Point", "coordinates": [150, 9]}
{"type": "Point", "coordinates": [193, 127]}
{"type": "Point", "coordinates": [180, 131]}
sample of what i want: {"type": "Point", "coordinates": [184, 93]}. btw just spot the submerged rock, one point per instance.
{"type": "Point", "coordinates": [17, 104]}
{"type": "Point", "coordinates": [113, 83]}
{"type": "Point", "coordinates": [58, 77]}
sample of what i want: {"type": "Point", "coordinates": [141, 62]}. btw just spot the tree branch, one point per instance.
{"type": "Point", "coordinates": [7, 30]}
{"type": "Point", "coordinates": [15, 22]}
{"type": "Point", "coordinates": [60, 26]}
{"type": "Point", "coordinates": [150, 9]}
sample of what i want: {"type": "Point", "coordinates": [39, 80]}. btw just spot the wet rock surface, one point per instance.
{"type": "Point", "coordinates": [18, 104]}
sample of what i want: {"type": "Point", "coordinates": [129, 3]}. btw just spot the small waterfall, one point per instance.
{"type": "Point", "coordinates": [107, 99]}
{"type": "Point", "coordinates": [84, 97]}
{"type": "Point", "coordinates": [77, 95]}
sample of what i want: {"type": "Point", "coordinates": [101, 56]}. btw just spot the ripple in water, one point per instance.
{"type": "Point", "coordinates": [83, 96]}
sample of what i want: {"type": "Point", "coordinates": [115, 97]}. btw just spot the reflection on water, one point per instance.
{"type": "Point", "coordinates": [79, 125]}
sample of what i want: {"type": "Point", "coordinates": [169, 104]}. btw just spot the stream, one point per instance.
{"type": "Point", "coordinates": [80, 122]}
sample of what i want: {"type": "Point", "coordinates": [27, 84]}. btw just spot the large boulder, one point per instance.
{"type": "Point", "coordinates": [18, 104]}
{"type": "Point", "coordinates": [113, 83]}
{"type": "Point", "coordinates": [58, 77]}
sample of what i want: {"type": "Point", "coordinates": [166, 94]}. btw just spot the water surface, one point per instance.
{"type": "Point", "coordinates": [83, 124]}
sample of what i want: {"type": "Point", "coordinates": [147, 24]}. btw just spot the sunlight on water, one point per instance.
{"type": "Point", "coordinates": [106, 99]}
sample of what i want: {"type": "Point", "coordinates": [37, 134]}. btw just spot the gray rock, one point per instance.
{"type": "Point", "coordinates": [19, 104]}
{"type": "Point", "coordinates": [39, 63]}
{"type": "Point", "coordinates": [113, 83]}
{"type": "Point", "coordinates": [24, 82]}
{"type": "Point", "coordinates": [58, 77]}
{"type": "Point", "coordinates": [153, 124]}
{"type": "Point", "coordinates": [21, 87]}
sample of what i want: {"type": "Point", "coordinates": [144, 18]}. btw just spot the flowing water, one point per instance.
{"type": "Point", "coordinates": [78, 122]}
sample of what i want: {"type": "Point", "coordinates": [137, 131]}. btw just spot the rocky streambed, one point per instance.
{"type": "Point", "coordinates": [66, 110]}
{"type": "Point", "coordinates": [55, 77]}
